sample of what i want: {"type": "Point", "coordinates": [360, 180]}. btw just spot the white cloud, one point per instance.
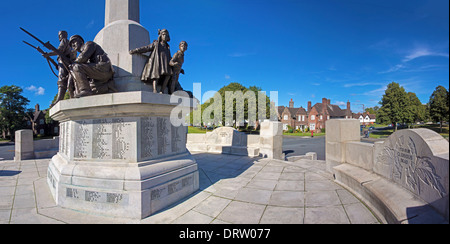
{"type": "Point", "coordinates": [415, 53]}
{"type": "Point", "coordinates": [393, 69]}
{"type": "Point", "coordinates": [340, 103]}
{"type": "Point", "coordinates": [38, 91]}
{"type": "Point", "coordinates": [422, 52]}
{"type": "Point", "coordinates": [227, 77]}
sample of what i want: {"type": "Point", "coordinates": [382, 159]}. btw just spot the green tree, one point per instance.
{"type": "Point", "coordinates": [373, 110]}
{"type": "Point", "coordinates": [12, 109]}
{"type": "Point", "coordinates": [438, 105]}
{"type": "Point", "coordinates": [395, 106]}
{"type": "Point", "coordinates": [416, 109]}
{"type": "Point", "coordinates": [209, 105]}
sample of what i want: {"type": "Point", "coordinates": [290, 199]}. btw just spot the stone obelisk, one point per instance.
{"type": "Point", "coordinates": [122, 33]}
{"type": "Point", "coordinates": [119, 153]}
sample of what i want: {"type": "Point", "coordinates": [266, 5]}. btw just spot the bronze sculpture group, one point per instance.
{"type": "Point", "coordinates": [161, 68]}
{"type": "Point", "coordinates": [91, 72]}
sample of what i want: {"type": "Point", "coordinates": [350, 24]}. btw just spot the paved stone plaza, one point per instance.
{"type": "Point", "coordinates": [233, 189]}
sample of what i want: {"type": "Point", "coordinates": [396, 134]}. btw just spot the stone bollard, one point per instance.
{"type": "Point", "coordinates": [24, 145]}
{"type": "Point", "coordinates": [271, 140]}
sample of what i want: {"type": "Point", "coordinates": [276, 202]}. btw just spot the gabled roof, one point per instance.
{"type": "Point", "coordinates": [280, 109]}
{"type": "Point", "coordinates": [302, 111]}
{"type": "Point", "coordinates": [333, 110]}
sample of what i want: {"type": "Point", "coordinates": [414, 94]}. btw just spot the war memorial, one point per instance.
{"type": "Point", "coordinates": [124, 157]}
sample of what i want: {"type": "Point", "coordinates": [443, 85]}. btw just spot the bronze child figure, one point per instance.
{"type": "Point", "coordinates": [157, 70]}
{"type": "Point", "coordinates": [177, 62]}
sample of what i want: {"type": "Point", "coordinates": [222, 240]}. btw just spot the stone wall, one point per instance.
{"type": "Point", "coordinates": [227, 140]}
{"type": "Point", "coordinates": [27, 148]}
{"type": "Point", "coordinates": [403, 179]}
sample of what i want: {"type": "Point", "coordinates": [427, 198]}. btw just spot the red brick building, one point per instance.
{"type": "Point", "coordinates": [314, 117]}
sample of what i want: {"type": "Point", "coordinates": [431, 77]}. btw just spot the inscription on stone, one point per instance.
{"type": "Point", "coordinates": [83, 133]}
{"type": "Point", "coordinates": [102, 131]}
{"type": "Point", "coordinates": [148, 138]}
{"type": "Point", "coordinates": [171, 188]}
{"type": "Point", "coordinates": [73, 193]}
{"type": "Point", "coordinates": [62, 138]}
{"type": "Point", "coordinates": [97, 197]}
{"type": "Point", "coordinates": [120, 139]}
{"type": "Point", "coordinates": [163, 131]}
{"type": "Point", "coordinates": [114, 198]}
{"type": "Point", "coordinates": [51, 178]}
{"type": "Point", "coordinates": [176, 139]}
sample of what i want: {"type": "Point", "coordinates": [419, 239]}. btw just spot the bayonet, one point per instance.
{"type": "Point", "coordinates": [49, 60]}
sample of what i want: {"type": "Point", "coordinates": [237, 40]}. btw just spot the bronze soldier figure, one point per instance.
{"type": "Point", "coordinates": [177, 62]}
{"type": "Point", "coordinates": [92, 71]}
{"type": "Point", "coordinates": [64, 52]}
{"type": "Point", "coordinates": [157, 70]}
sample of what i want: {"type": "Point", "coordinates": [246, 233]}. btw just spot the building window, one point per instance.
{"type": "Point", "coordinates": [285, 117]}
{"type": "Point", "coordinates": [41, 132]}
{"type": "Point", "coordinates": [56, 130]}
{"type": "Point", "coordinates": [321, 117]}
{"type": "Point", "coordinates": [313, 117]}
{"type": "Point", "coordinates": [41, 121]}
{"type": "Point", "coordinates": [328, 117]}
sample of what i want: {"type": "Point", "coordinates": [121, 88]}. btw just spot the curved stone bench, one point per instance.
{"type": "Point", "coordinates": [404, 179]}
{"type": "Point", "coordinates": [390, 202]}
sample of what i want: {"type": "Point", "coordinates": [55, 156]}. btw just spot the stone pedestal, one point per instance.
{"type": "Point", "coordinates": [119, 155]}
{"type": "Point", "coordinates": [122, 33]}
{"type": "Point", "coordinates": [339, 131]}
{"type": "Point", "coordinates": [24, 145]}
{"type": "Point", "coordinates": [271, 140]}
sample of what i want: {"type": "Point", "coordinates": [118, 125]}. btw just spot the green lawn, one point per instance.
{"type": "Point", "coordinates": [433, 127]}
{"type": "Point", "coordinates": [196, 130]}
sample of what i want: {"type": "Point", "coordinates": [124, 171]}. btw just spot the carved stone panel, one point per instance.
{"type": "Point", "coordinates": [408, 157]}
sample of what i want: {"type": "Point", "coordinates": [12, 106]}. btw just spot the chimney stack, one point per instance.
{"type": "Point", "coordinates": [324, 107]}
{"type": "Point", "coordinates": [309, 106]}
{"type": "Point", "coordinates": [36, 108]}
{"type": "Point", "coordinates": [291, 103]}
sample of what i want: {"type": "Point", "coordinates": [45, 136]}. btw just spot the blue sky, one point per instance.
{"type": "Point", "coordinates": [344, 50]}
